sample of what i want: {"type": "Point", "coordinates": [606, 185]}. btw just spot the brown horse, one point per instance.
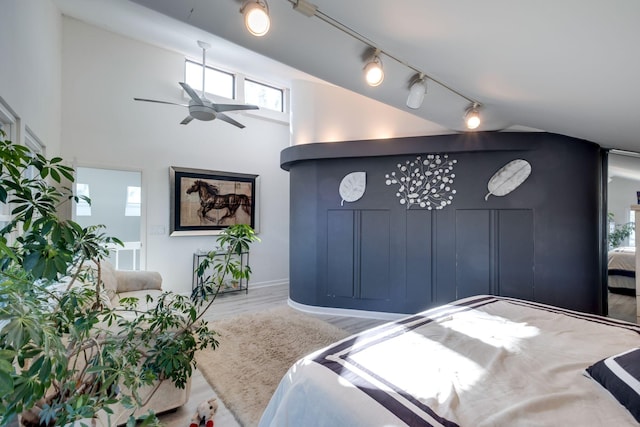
{"type": "Point", "coordinates": [210, 198]}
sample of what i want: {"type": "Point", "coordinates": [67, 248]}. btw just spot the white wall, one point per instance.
{"type": "Point", "coordinates": [621, 195]}
{"type": "Point", "coordinates": [104, 127]}
{"type": "Point", "coordinates": [325, 113]}
{"type": "Point", "coordinates": [30, 46]}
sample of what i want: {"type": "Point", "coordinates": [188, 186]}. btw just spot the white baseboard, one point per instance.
{"type": "Point", "coordinates": [268, 283]}
{"type": "Point", "coordinates": [330, 311]}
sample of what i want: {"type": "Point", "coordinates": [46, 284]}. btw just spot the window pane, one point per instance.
{"type": "Point", "coordinates": [83, 208]}
{"type": "Point", "coordinates": [263, 95]}
{"type": "Point", "coordinates": [217, 82]}
{"type": "Point", "coordinates": [632, 236]}
{"type": "Point", "coordinates": [193, 75]}
{"type": "Point", "coordinates": [132, 207]}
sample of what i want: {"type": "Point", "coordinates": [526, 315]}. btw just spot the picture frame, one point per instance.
{"type": "Point", "coordinates": [204, 202]}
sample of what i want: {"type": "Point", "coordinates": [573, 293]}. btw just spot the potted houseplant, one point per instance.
{"type": "Point", "coordinates": [618, 233]}
{"type": "Point", "coordinates": [65, 355]}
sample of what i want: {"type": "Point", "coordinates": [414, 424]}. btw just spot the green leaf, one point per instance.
{"type": "Point", "coordinates": [6, 384]}
{"type": "Point", "coordinates": [55, 175]}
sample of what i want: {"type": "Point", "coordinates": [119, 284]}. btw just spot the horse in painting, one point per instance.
{"type": "Point", "coordinates": [210, 198]}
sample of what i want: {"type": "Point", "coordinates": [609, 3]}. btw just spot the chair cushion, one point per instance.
{"type": "Point", "coordinates": [109, 280]}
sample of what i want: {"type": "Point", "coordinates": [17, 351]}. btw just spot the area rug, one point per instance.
{"type": "Point", "coordinates": [255, 352]}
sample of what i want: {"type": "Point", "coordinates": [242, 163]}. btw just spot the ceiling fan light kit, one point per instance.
{"type": "Point", "coordinates": [256, 17]}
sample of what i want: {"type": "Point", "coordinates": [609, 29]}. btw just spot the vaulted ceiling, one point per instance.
{"type": "Point", "coordinates": [569, 67]}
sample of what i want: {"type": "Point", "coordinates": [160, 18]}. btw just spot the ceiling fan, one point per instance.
{"type": "Point", "coordinates": [200, 108]}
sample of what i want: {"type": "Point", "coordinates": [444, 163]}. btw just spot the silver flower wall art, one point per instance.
{"type": "Point", "coordinates": [353, 186]}
{"type": "Point", "coordinates": [426, 182]}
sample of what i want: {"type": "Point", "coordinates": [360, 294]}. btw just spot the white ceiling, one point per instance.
{"type": "Point", "coordinates": [569, 67]}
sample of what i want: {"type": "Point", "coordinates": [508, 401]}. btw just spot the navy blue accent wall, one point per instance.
{"type": "Point", "coordinates": [540, 242]}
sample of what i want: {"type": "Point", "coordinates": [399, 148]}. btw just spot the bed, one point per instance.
{"type": "Point", "coordinates": [479, 361]}
{"type": "Point", "coordinates": [621, 270]}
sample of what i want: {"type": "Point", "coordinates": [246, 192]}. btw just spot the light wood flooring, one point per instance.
{"type": "Point", "coordinates": [620, 307]}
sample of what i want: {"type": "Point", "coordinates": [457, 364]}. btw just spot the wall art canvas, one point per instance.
{"type": "Point", "coordinates": [204, 202]}
{"type": "Point", "coordinates": [426, 182]}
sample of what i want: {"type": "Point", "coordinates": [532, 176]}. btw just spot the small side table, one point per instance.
{"type": "Point", "coordinates": [230, 284]}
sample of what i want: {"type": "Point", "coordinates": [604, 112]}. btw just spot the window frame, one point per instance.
{"type": "Point", "coordinates": [199, 64]}
{"type": "Point", "coordinates": [270, 86]}
{"type": "Point", "coordinates": [9, 122]}
{"type": "Point", "coordinates": [239, 94]}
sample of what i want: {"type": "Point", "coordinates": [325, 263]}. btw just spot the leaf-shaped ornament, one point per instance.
{"type": "Point", "coordinates": [352, 186]}
{"type": "Point", "coordinates": [508, 178]}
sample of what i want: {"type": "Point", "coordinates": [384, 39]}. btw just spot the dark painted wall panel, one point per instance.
{"type": "Point", "coordinates": [340, 254]}
{"type": "Point", "coordinates": [559, 205]}
{"type": "Point", "coordinates": [419, 255]}
{"type": "Point", "coordinates": [516, 253]}
{"type": "Point", "coordinates": [374, 255]}
{"type": "Point", "coordinates": [473, 253]}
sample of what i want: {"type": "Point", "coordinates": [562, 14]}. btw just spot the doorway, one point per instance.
{"type": "Point", "coordinates": [622, 192]}
{"type": "Point", "coordinates": [116, 202]}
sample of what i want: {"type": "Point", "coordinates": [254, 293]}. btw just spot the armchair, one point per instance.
{"type": "Point", "coordinates": [120, 284]}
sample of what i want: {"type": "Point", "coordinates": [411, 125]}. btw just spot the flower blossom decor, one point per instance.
{"type": "Point", "coordinates": [427, 183]}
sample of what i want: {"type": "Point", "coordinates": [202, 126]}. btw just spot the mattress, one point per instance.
{"type": "Point", "coordinates": [621, 270]}
{"type": "Point", "coordinates": [479, 361]}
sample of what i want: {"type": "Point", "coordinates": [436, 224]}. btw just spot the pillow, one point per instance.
{"type": "Point", "coordinates": [108, 276]}
{"type": "Point", "coordinates": [620, 375]}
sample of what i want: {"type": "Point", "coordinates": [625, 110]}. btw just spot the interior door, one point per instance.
{"type": "Point", "coordinates": [116, 202]}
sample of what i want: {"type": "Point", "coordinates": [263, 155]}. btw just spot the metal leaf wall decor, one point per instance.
{"type": "Point", "coordinates": [508, 178]}
{"type": "Point", "coordinates": [425, 183]}
{"type": "Point", "coordinates": [353, 186]}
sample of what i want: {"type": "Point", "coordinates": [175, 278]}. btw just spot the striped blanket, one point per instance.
{"type": "Point", "coordinates": [479, 361]}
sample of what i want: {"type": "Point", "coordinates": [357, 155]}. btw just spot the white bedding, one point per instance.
{"type": "Point", "coordinates": [621, 268]}
{"type": "Point", "coordinates": [480, 361]}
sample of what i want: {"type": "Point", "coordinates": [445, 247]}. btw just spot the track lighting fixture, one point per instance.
{"type": "Point", "coordinates": [305, 8]}
{"type": "Point", "coordinates": [472, 116]}
{"type": "Point", "coordinates": [373, 73]}
{"type": "Point", "coordinates": [417, 91]}
{"type": "Point", "coordinates": [256, 17]}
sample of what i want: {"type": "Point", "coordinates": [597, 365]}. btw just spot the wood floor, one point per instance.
{"type": "Point", "coordinates": [620, 307]}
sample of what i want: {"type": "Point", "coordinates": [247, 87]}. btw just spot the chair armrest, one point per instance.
{"type": "Point", "coordinates": [138, 280]}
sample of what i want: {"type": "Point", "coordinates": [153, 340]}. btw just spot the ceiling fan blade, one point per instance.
{"type": "Point", "coordinates": [228, 119]}
{"type": "Point", "coordinates": [192, 93]}
{"type": "Point", "coordinates": [231, 107]}
{"type": "Point", "coordinates": [186, 120]}
{"type": "Point", "coordinates": [159, 102]}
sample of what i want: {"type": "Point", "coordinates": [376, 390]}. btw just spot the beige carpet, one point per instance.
{"type": "Point", "coordinates": [255, 352]}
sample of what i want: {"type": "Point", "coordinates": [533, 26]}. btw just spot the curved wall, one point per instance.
{"type": "Point", "coordinates": [538, 242]}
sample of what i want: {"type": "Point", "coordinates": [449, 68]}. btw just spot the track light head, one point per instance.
{"type": "Point", "coordinates": [417, 92]}
{"type": "Point", "coordinates": [305, 8]}
{"type": "Point", "coordinates": [256, 17]}
{"type": "Point", "coordinates": [472, 116]}
{"type": "Point", "coordinates": [373, 73]}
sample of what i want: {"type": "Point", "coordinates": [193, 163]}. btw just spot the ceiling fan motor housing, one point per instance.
{"type": "Point", "coordinates": [202, 112]}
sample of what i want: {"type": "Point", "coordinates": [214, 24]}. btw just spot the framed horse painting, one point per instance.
{"type": "Point", "coordinates": [204, 202]}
